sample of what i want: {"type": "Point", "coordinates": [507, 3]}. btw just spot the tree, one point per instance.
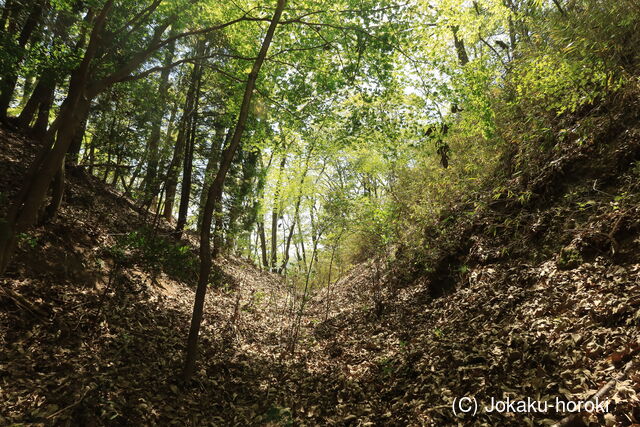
{"type": "Point", "coordinates": [85, 83]}
{"type": "Point", "coordinates": [214, 196]}
{"type": "Point", "coordinates": [10, 77]}
{"type": "Point", "coordinates": [275, 214]}
{"type": "Point", "coordinates": [190, 125]}
{"type": "Point", "coordinates": [151, 177]}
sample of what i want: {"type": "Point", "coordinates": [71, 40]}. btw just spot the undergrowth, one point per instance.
{"type": "Point", "coordinates": [155, 253]}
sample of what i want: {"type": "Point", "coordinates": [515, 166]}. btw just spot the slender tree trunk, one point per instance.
{"type": "Point", "coordinates": [76, 144]}
{"type": "Point", "coordinates": [126, 186]}
{"type": "Point", "coordinates": [303, 302]}
{"type": "Point", "coordinates": [42, 97]}
{"type": "Point", "coordinates": [177, 159]}
{"type": "Point", "coordinates": [161, 180]}
{"type": "Point", "coordinates": [56, 197]}
{"type": "Point", "coordinates": [260, 222]}
{"type": "Point", "coordinates": [214, 197]}
{"type": "Point", "coordinates": [275, 214]}
{"type": "Point", "coordinates": [512, 36]}
{"type": "Point", "coordinates": [304, 252]}
{"type": "Point", "coordinates": [23, 211]}
{"type": "Point", "coordinates": [191, 125]}
{"type": "Point", "coordinates": [263, 243]}
{"type": "Point", "coordinates": [39, 95]}
{"type": "Point", "coordinates": [116, 172]}
{"type": "Point", "coordinates": [241, 194]}
{"type": "Point", "coordinates": [42, 120]}
{"type": "Point", "coordinates": [107, 146]}
{"type": "Point", "coordinates": [296, 214]}
{"type": "Point", "coordinates": [171, 185]}
{"type": "Point", "coordinates": [212, 162]}
{"type": "Point", "coordinates": [8, 84]}
{"type": "Point", "coordinates": [315, 233]}
{"type": "Point", "coordinates": [134, 177]}
{"type": "Point", "coordinates": [559, 7]}
{"type": "Point", "coordinates": [26, 90]}
{"type": "Point", "coordinates": [328, 294]}
{"type": "Point", "coordinates": [151, 177]}
{"type": "Point", "coordinates": [92, 156]}
{"type": "Point", "coordinates": [287, 244]}
{"type": "Point", "coordinates": [185, 191]}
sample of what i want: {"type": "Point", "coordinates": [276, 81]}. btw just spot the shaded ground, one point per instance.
{"type": "Point", "coordinates": [100, 340]}
{"type": "Point", "coordinates": [544, 300]}
{"type": "Point", "coordinates": [545, 303]}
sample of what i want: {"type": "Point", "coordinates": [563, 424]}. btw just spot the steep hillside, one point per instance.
{"type": "Point", "coordinates": [95, 312]}
{"type": "Point", "coordinates": [539, 291]}
{"type": "Point", "coordinates": [533, 291]}
{"type": "Point", "coordinates": [354, 213]}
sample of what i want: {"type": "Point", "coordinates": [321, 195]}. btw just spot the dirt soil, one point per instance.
{"type": "Point", "coordinates": [542, 302]}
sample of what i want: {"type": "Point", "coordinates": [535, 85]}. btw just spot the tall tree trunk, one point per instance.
{"type": "Point", "coordinates": [22, 213]}
{"type": "Point", "coordinates": [191, 125]}
{"type": "Point", "coordinates": [212, 162]}
{"type": "Point", "coordinates": [151, 177]}
{"type": "Point", "coordinates": [41, 93]}
{"type": "Point", "coordinates": [41, 98]}
{"type": "Point", "coordinates": [161, 179]}
{"type": "Point", "coordinates": [42, 120]}
{"type": "Point", "coordinates": [238, 208]}
{"type": "Point", "coordinates": [263, 243]}
{"type": "Point", "coordinates": [287, 242]}
{"type": "Point", "coordinates": [116, 172]}
{"type": "Point", "coordinates": [8, 84]}
{"type": "Point", "coordinates": [56, 197]}
{"type": "Point", "coordinates": [275, 214]}
{"type": "Point", "coordinates": [512, 35]}
{"type": "Point", "coordinates": [92, 156]}
{"type": "Point", "coordinates": [107, 147]}
{"type": "Point", "coordinates": [260, 221]}
{"type": "Point", "coordinates": [132, 179]}
{"type": "Point", "coordinates": [171, 183]}
{"type": "Point", "coordinates": [26, 90]}
{"type": "Point", "coordinates": [214, 197]}
{"type": "Point", "coordinates": [296, 214]}
{"type": "Point", "coordinates": [76, 144]}
{"type": "Point", "coordinates": [315, 233]}
{"type": "Point", "coordinates": [185, 190]}
{"type": "Point", "coordinates": [72, 160]}
{"type": "Point", "coordinates": [304, 252]}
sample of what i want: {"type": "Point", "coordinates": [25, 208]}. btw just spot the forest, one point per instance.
{"type": "Point", "coordinates": [311, 212]}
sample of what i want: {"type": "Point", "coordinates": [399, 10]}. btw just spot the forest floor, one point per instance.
{"type": "Point", "coordinates": [545, 304]}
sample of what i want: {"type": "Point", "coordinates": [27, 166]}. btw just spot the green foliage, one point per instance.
{"type": "Point", "coordinates": [568, 258]}
{"type": "Point", "coordinates": [276, 414]}
{"type": "Point", "coordinates": [388, 115]}
{"type": "Point", "coordinates": [156, 253]}
{"type": "Point", "coordinates": [387, 366]}
{"type": "Point", "coordinates": [509, 103]}
{"type": "Point", "coordinates": [26, 239]}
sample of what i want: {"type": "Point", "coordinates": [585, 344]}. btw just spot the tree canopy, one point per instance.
{"type": "Point", "coordinates": [306, 136]}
